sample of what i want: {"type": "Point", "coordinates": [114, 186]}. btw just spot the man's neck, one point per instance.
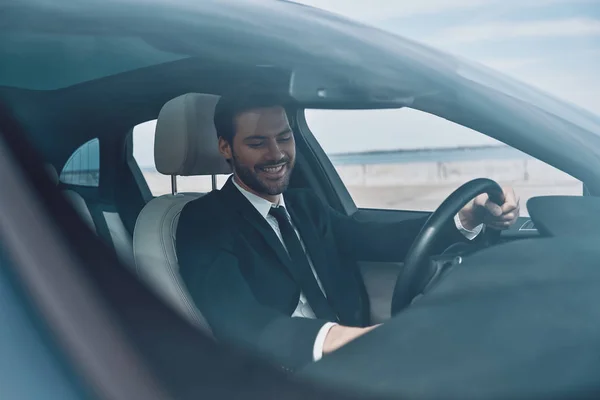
{"type": "Point", "coordinates": [275, 199]}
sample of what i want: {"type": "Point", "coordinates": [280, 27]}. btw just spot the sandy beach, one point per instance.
{"type": "Point", "coordinates": [420, 186]}
{"type": "Point", "coordinates": [429, 197]}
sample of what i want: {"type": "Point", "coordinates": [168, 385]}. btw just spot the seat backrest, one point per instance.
{"type": "Point", "coordinates": [154, 251]}
{"type": "Point", "coordinates": [116, 233]}
{"type": "Point", "coordinates": [80, 206]}
{"type": "Point", "coordinates": [185, 144]}
{"type": "Point", "coordinates": [74, 198]}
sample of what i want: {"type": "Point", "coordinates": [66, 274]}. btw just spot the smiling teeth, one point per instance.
{"type": "Point", "coordinates": [273, 169]}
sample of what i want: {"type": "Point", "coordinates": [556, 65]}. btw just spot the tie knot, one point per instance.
{"type": "Point", "coordinates": [279, 213]}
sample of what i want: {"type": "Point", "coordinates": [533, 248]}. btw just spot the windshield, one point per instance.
{"type": "Point", "coordinates": [488, 77]}
{"type": "Point", "coordinates": [46, 61]}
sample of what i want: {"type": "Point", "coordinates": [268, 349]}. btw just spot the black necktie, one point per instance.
{"type": "Point", "coordinates": [301, 268]}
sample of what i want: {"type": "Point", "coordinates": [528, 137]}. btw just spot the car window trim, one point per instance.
{"type": "Point", "coordinates": [332, 185]}
{"type": "Point", "coordinates": [135, 169]}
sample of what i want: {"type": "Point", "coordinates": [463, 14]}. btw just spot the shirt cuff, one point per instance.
{"type": "Point", "coordinates": [320, 340]}
{"type": "Point", "coordinates": [469, 234]}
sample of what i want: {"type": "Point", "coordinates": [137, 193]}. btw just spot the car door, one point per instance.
{"type": "Point", "coordinates": [393, 165]}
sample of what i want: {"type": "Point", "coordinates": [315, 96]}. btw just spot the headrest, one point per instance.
{"type": "Point", "coordinates": [52, 173]}
{"type": "Point", "coordinates": [186, 142]}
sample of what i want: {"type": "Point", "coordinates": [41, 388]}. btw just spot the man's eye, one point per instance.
{"type": "Point", "coordinates": [285, 138]}
{"type": "Point", "coordinates": [255, 145]}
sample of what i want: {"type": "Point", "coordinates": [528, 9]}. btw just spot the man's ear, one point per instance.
{"type": "Point", "coordinates": [225, 148]}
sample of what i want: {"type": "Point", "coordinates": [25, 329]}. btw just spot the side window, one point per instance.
{"type": "Point", "coordinates": [83, 167]}
{"type": "Point", "coordinates": [410, 160]}
{"type": "Point", "coordinates": [159, 184]}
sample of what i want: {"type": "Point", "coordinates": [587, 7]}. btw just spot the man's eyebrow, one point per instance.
{"type": "Point", "coordinates": [255, 137]}
{"type": "Point", "coordinates": [262, 137]}
{"type": "Point", "coordinates": [285, 132]}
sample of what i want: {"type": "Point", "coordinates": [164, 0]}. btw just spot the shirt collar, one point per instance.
{"type": "Point", "coordinates": [263, 206]}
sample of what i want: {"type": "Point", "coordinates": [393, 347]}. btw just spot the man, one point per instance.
{"type": "Point", "coordinates": [276, 270]}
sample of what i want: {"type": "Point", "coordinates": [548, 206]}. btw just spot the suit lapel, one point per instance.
{"type": "Point", "coordinates": [237, 200]}
{"type": "Point", "coordinates": [335, 284]}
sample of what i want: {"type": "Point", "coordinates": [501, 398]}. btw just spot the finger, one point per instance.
{"type": "Point", "coordinates": [516, 213]}
{"type": "Point", "coordinates": [509, 218]}
{"type": "Point", "coordinates": [493, 208]}
{"type": "Point", "coordinates": [511, 202]}
{"type": "Point", "coordinates": [480, 200]}
{"type": "Point", "coordinates": [512, 215]}
{"type": "Point", "coordinates": [508, 208]}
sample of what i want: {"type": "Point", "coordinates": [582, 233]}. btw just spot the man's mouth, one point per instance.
{"type": "Point", "coordinates": [274, 171]}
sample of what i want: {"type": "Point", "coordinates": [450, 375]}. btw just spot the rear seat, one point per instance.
{"type": "Point", "coordinates": [116, 234]}
{"type": "Point", "coordinates": [74, 198]}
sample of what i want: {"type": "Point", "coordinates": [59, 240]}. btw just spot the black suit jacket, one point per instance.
{"type": "Point", "coordinates": [237, 270]}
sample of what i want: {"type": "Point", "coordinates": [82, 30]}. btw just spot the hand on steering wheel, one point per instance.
{"type": "Point", "coordinates": [419, 269]}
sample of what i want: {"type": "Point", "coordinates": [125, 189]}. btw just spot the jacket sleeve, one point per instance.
{"type": "Point", "coordinates": [383, 241]}
{"type": "Point", "coordinates": [212, 275]}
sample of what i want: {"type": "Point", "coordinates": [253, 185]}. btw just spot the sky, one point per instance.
{"type": "Point", "coordinates": [551, 44]}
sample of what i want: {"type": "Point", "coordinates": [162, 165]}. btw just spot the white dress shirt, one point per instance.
{"type": "Point", "coordinates": [303, 310]}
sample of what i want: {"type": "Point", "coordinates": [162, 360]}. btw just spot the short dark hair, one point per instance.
{"type": "Point", "coordinates": [232, 105]}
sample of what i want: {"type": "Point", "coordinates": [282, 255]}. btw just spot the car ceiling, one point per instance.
{"type": "Point", "coordinates": [114, 104]}
{"type": "Point", "coordinates": [71, 59]}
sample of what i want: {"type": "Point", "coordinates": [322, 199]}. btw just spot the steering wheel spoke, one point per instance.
{"type": "Point", "coordinates": [438, 267]}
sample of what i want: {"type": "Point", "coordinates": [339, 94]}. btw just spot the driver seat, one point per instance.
{"type": "Point", "coordinates": [185, 144]}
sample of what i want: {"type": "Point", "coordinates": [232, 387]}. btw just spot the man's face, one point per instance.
{"type": "Point", "coordinates": [263, 151]}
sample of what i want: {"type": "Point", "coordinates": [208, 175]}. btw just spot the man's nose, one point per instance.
{"type": "Point", "coordinates": [275, 152]}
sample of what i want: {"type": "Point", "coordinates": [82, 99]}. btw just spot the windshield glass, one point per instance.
{"type": "Point", "coordinates": [71, 59]}
{"type": "Point", "coordinates": [522, 91]}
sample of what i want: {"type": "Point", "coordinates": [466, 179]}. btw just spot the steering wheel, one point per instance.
{"type": "Point", "coordinates": [420, 270]}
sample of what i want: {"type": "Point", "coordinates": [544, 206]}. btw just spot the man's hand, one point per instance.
{"type": "Point", "coordinates": [339, 336]}
{"type": "Point", "coordinates": [482, 210]}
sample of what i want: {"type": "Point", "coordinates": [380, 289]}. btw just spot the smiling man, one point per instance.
{"type": "Point", "coordinates": [276, 269]}
{"type": "Point", "coordinates": [261, 132]}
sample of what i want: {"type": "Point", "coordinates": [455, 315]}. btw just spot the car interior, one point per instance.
{"type": "Point", "coordinates": [185, 145]}
{"type": "Point", "coordinates": [120, 208]}
{"type": "Point", "coordinates": [137, 229]}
